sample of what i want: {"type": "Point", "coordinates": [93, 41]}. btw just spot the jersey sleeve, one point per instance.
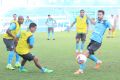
{"type": "Point", "coordinates": [87, 21]}
{"type": "Point", "coordinates": [31, 40]}
{"type": "Point", "coordinates": [46, 21]}
{"type": "Point", "coordinates": [12, 26]}
{"type": "Point", "coordinates": [18, 35]}
{"type": "Point", "coordinates": [107, 24]}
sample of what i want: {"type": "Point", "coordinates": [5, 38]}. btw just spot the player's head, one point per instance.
{"type": "Point", "coordinates": [112, 15]}
{"type": "Point", "coordinates": [14, 16]}
{"type": "Point", "coordinates": [117, 16]}
{"type": "Point", "coordinates": [82, 12]}
{"type": "Point", "coordinates": [32, 27]}
{"type": "Point", "coordinates": [27, 17]}
{"type": "Point", "coordinates": [20, 19]}
{"type": "Point", "coordinates": [100, 14]}
{"type": "Point", "coordinates": [49, 16]}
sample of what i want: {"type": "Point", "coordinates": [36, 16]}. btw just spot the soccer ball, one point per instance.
{"type": "Point", "coordinates": [81, 58]}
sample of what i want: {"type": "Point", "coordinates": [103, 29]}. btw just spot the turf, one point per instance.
{"type": "Point", "coordinates": [59, 56]}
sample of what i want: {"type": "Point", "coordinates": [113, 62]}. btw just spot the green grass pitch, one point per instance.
{"type": "Point", "coordinates": [59, 56]}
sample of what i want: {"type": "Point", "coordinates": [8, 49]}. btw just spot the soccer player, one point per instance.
{"type": "Point", "coordinates": [116, 22]}
{"type": "Point", "coordinates": [25, 44]}
{"type": "Point", "coordinates": [96, 40]}
{"type": "Point", "coordinates": [14, 17]}
{"type": "Point", "coordinates": [81, 28]}
{"type": "Point", "coordinates": [50, 22]}
{"type": "Point", "coordinates": [111, 31]}
{"type": "Point", "coordinates": [28, 21]}
{"type": "Point", "coordinates": [9, 39]}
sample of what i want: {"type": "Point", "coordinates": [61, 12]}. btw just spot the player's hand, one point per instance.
{"type": "Point", "coordinates": [14, 38]}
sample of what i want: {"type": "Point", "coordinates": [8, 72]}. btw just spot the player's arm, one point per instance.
{"type": "Point", "coordinates": [107, 24]}
{"type": "Point", "coordinates": [12, 27]}
{"type": "Point", "coordinates": [46, 22]}
{"type": "Point", "coordinates": [17, 38]}
{"type": "Point", "coordinates": [87, 21]}
{"type": "Point", "coordinates": [31, 41]}
{"type": "Point", "coordinates": [73, 23]}
{"type": "Point", "coordinates": [54, 22]}
{"type": "Point", "coordinates": [92, 20]}
{"type": "Point", "coordinates": [69, 27]}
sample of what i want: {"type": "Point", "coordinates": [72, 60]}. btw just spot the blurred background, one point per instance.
{"type": "Point", "coordinates": [63, 11]}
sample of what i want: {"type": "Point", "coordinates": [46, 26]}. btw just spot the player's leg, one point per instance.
{"type": "Point", "coordinates": [81, 69]}
{"type": "Point", "coordinates": [82, 65]}
{"type": "Point", "coordinates": [35, 59]}
{"type": "Point", "coordinates": [25, 57]}
{"type": "Point", "coordinates": [113, 32]}
{"type": "Point", "coordinates": [53, 37]}
{"type": "Point", "coordinates": [77, 43]}
{"type": "Point", "coordinates": [42, 69]}
{"type": "Point", "coordinates": [10, 47]}
{"type": "Point", "coordinates": [17, 63]}
{"type": "Point", "coordinates": [30, 57]}
{"type": "Point", "coordinates": [23, 62]}
{"type": "Point", "coordinates": [22, 68]}
{"type": "Point", "coordinates": [83, 38]}
{"type": "Point", "coordinates": [92, 47]}
{"type": "Point", "coordinates": [89, 53]}
{"type": "Point", "coordinates": [48, 33]}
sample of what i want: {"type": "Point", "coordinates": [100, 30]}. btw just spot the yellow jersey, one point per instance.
{"type": "Point", "coordinates": [23, 46]}
{"type": "Point", "coordinates": [14, 32]}
{"type": "Point", "coordinates": [81, 24]}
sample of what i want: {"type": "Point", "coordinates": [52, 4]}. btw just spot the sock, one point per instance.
{"type": "Point", "coordinates": [10, 56]}
{"type": "Point", "coordinates": [42, 69]}
{"type": "Point", "coordinates": [52, 35]}
{"type": "Point", "coordinates": [82, 46]}
{"type": "Point", "coordinates": [93, 58]}
{"type": "Point", "coordinates": [82, 66]}
{"type": "Point", "coordinates": [17, 58]}
{"type": "Point", "coordinates": [48, 35]}
{"type": "Point", "coordinates": [77, 47]}
{"type": "Point", "coordinates": [22, 67]}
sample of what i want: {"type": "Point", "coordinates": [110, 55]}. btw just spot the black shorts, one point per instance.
{"type": "Point", "coordinates": [93, 46]}
{"type": "Point", "coordinates": [28, 56]}
{"type": "Point", "coordinates": [10, 44]}
{"type": "Point", "coordinates": [50, 29]}
{"type": "Point", "coordinates": [81, 36]}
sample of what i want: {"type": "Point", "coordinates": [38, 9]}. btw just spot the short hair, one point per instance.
{"type": "Point", "coordinates": [102, 11]}
{"type": "Point", "coordinates": [49, 15]}
{"type": "Point", "coordinates": [27, 16]}
{"type": "Point", "coordinates": [14, 14]}
{"type": "Point", "coordinates": [82, 10]}
{"type": "Point", "coordinates": [32, 25]}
